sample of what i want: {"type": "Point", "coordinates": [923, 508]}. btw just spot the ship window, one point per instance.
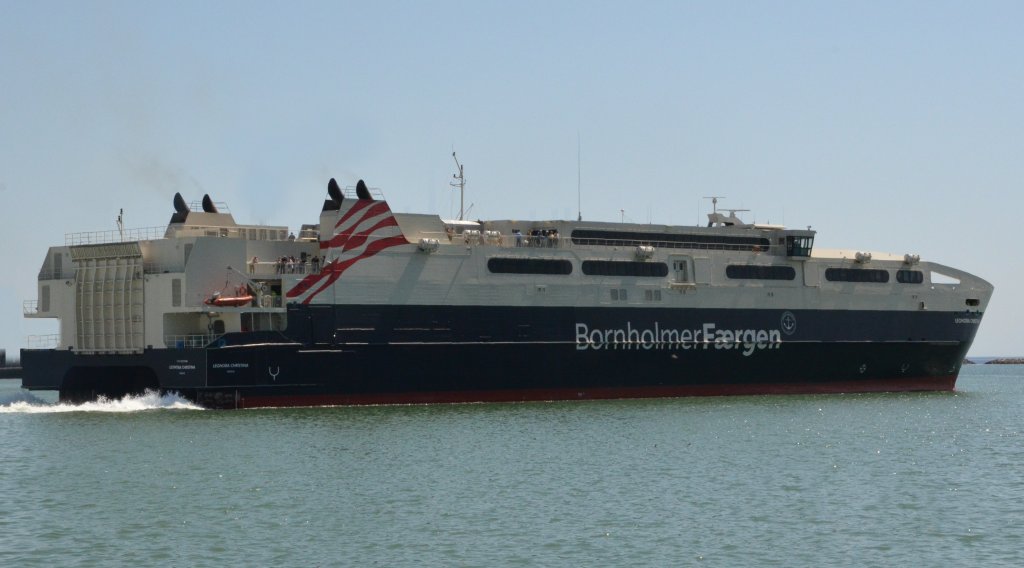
{"type": "Point", "coordinates": [760, 272]}
{"type": "Point", "coordinates": [176, 292]}
{"type": "Point", "coordinates": [624, 268]}
{"type": "Point", "coordinates": [652, 295]}
{"type": "Point", "coordinates": [500, 265]}
{"type": "Point", "coordinates": [44, 299]}
{"type": "Point", "coordinates": [615, 294]}
{"type": "Point", "coordinates": [58, 265]}
{"type": "Point", "coordinates": [666, 240]}
{"type": "Point", "coordinates": [857, 275]}
{"type": "Point", "coordinates": [973, 302]}
{"type": "Point", "coordinates": [909, 276]}
{"type": "Point", "coordinates": [188, 252]}
{"type": "Point", "coordinates": [681, 269]}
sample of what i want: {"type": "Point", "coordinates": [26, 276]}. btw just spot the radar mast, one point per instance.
{"type": "Point", "coordinates": [460, 182]}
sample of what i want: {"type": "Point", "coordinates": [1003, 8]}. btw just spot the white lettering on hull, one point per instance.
{"type": "Point", "coordinates": [230, 366]}
{"type": "Point", "coordinates": [707, 336]}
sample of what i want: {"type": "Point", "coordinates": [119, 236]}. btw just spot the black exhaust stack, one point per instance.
{"type": "Point", "coordinates": [361, 190]}
{"type": "Point", "coordinates": [334, 203]}
{"type": "Point", "coordinates": [208, 205]}
{"type": "Point", "coordinates": [181, 209]}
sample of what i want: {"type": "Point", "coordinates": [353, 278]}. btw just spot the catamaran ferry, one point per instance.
{"type": "Point", "coordinates": [369, 306]}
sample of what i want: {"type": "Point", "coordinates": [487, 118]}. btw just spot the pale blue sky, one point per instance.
{"type": "Point", "coordinates": [891, 126]}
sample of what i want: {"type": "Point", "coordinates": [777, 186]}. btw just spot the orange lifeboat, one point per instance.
{"type": "Point", "coordinates": [242, 297]}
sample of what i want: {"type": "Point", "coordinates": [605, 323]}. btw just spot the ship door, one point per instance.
{"type": "Point", "coordinates": [811, 275]}
{"type": "Point", "coordinates": [321, 324]}
{"type": "Point", "coordinates": [682, 269]}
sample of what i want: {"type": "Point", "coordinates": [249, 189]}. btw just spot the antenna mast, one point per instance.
{"type": "Point", "coordinates": [460, 182]}
{"type": "Point", "coordinates": [579, 198]}
{"type": "Point", "coordinates": [714, 202]}
{"type": "Point", "coordinates": [120, 224]}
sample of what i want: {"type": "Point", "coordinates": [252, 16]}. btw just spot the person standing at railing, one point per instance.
{"type": "Point", "coordinates": [252, 264]}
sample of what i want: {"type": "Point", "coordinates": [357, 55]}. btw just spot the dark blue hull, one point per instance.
{"type": "Point", "coordinates": [392, 354]}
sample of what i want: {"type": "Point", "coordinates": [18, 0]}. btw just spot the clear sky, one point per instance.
{"type": "Point", "coordinates": [889, 126]}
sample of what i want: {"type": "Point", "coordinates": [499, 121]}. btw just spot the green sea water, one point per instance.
{"type": "Point", "coordinates": [921, 479]}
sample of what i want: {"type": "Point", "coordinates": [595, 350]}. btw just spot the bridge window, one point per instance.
{"type": "Point", "coordinates": [799, 246]}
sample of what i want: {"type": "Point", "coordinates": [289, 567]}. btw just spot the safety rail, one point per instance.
{"type": "Point", "coordinates": [255, 233]}
{"type": "Point", "coordinates": [566, 242]}
{"type": "Point", "coordinates": [684, 245]}
{"type": "Point", "coordinates": [350, 192]}
{"type": "Point", "coordinates": [30, 307]}
{"type": "Point", "coordinates": [114, 236]}
{"type": "Point", "coordinates": [266, 268]}
{"type": "Point", "coordinates": [505, 240]}
{"type": "Point", "coordinates": [222, 207]}
{"type": "Point", "coordinates": [49, 341]}
{"type": "Point", "coordinates": [51, 274]}
{"type": "Point", "coordinates": [161, 268]}
{"type": "Point", "coordinates": [193, 341]}
{"type": "Point", "coordinates": [494, 238]}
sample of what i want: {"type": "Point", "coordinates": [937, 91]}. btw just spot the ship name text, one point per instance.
{"type": "Point", "coordinates": [705, 337]}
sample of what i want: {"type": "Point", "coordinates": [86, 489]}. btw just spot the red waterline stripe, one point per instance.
{"type": "Point", "coordinates": [902, 384]}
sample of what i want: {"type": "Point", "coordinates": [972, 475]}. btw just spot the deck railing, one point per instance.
{"type": "Point", "coordinates": [256, 233]}
{"type": "Point", "coordinates": [115, 236]}
{"type": "Point", "coordinates": [49, 341]}
{"type": "Point", "coordinates": [566, 242]}
{"type": "Point", "coordinates": [188, 341]}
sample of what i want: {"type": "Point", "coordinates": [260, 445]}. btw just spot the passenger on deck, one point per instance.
{"type": "Point", "coordinates": [252, 264]}
{"type": "Point", "coordinates": [519, 237]}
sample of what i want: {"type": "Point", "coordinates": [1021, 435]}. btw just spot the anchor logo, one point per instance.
{"type": "Point", "coordinates": [788, 323]}
{"type": "Point", "coordinates": [273, 374]}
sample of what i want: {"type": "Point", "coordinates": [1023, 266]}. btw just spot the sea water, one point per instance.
{"type": "Point", "coordinates": [922, 479]}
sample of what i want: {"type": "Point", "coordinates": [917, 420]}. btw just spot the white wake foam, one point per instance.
{"type": "Point", "coordinates": [25, 403]}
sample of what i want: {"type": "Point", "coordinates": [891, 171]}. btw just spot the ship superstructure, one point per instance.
{"type": "Point", "coordinates": [372, 306]}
